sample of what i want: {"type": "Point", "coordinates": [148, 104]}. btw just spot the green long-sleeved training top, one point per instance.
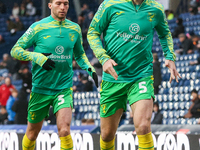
{"type": "Point", "coordinates": [61, 38]}
{"type": "Point", "coordinates": [128, 37]}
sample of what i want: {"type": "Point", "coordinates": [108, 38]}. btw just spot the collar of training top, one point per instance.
{"type": "Point", "coordinates": [60, 22]}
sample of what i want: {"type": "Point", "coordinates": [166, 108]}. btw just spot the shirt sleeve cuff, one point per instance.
{"type": "Point", "coordinates": [104, 60]}
{"type": "Point", "coordinates": [170, 58]}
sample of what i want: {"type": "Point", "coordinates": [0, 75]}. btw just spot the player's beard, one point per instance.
{"type": "Point", "coordinates": [59, 16]}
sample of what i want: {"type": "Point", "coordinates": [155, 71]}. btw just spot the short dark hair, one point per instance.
{"type": "Point", "coordinates": [24, 67]}
{"type": "Point", "coordinates": [181, 35]}
{"type": "Point", "coordinates": [50, 1]}
{"type": "Point", "coordinates": [156, 103]}
{"type": "Point", "coordinates": [4, 107]}
{"type": "Point", "coordinates": [194, 91]}
{"type": "Point", "coordinates": [83, 120]}
{"type": "Point", "coordinates": [180, 20]}
{"type": "Point", "coordinates": [90, 120]}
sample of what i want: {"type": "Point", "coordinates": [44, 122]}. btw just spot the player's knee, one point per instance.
{"type": "Point", "coordinates": [142, 128]}
{"type": "Point", "coordinates": [32, 135]}
{"type": "Point", "coordinates": [107, 136]}
{"type": "Point", "coordinates": [64, 131]}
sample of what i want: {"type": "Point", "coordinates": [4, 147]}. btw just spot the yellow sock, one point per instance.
{"type": "Point", "coordinates": [145, 142]}
{"type": "Point", "coordinates": [107, 145]}
{"type": "Point", "coordinates": [27, 144]}
{"type": "Point", "coordinates": [66, 143]}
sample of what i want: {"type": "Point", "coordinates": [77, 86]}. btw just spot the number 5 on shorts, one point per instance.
{"type": "Point", "coordinates": [141, 86]}
{"type": "Point", "coordinates": [61, 99]}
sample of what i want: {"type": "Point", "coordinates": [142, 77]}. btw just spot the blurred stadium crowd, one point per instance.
{"type": "Point", "coordinates": [175, 103]}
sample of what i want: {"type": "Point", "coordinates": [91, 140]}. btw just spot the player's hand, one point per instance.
{"type": "Point", "coordinates": [108, 68]}
{"type": "Point", "coordinates": [172, 68]}
{"type": "Point", "coordinates": [94, 76]}
{"type": "Point", "coordinates": [49, 64]}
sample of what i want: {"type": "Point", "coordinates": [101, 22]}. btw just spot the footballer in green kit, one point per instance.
{"type": "Point", "coordinates": [128, 29]}
{"type": "Point", "coordinates": [55, 40]}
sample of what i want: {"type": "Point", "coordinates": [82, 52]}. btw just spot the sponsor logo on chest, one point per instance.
{"type": "Point", "coordinates": [132, 36]}
{"type": "Point", "coordinates": [59, 56]}
{"type": "Point", "coordinates": [59, 49]}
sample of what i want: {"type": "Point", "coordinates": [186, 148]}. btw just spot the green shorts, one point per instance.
{"type": "Point", "coordinates": [115, 95]}
{"type": "Point", "coordinates": [39, 104]}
